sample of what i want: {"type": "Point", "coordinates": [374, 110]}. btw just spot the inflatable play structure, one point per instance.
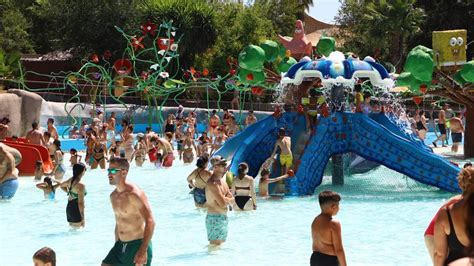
{"type": "Point", "coordinates": [378, 137]}
{"type": "Point", "coordinates": [30, 153]}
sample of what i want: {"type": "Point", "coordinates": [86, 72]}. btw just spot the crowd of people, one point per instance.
{"type": "Point", "coordinates": [448, 238]}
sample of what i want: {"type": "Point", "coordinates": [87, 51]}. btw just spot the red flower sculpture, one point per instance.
{"type": "Point", "coordinates": [164, 43]}
{"type": "Point", "coordinates": [95, 58]}
{"type": "Point", "coordinates": [148, 28]}
{"type": "Point", "coordinates": [205, 72]}
{"type": "Point", "coordinates": [137, 43]}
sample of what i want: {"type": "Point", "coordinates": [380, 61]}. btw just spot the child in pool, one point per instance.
{"type": "Point", "coordinates": [44, 257]}
{"type": "Point", "coordinates": [74, 157]}
{"type": "Point", "coordinates": [39, 172]}
{"type": "Point", "coordinates": [48, 188]}
{"type": "Point", "coordinates": [326, 233]}
{"type": "Point", "coordinates": [265, 180]}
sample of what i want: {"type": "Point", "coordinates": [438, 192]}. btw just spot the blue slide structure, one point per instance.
{"type": "Point", "coordinates": [375, 138]}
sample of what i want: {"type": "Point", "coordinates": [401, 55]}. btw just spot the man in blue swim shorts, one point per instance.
{"type": "Point", "coordinates": [218, 197]}
{"type": "Point", "coordinates": [8, 175]}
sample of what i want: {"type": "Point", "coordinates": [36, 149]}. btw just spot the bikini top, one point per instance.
{"type": "Point", "coordinates": [456, 249]}
{"type": "Point", "coordinates": [74, 195]}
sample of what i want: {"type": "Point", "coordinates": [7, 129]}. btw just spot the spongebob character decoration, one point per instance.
{"type": "Point", "coordinates": [449, 47]}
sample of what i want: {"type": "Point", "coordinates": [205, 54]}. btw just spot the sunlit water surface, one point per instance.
{"type": "Point", "coordinates": [381, 224]}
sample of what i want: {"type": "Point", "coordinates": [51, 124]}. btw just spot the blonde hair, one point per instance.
{"type": "Point", "coordinates": [466, 180]}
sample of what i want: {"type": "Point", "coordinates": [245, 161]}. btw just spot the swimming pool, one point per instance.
{"type": "Point", "coordinates": [382, 226]}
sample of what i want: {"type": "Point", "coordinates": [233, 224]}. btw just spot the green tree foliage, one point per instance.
{"type": "Point", "coordinates": [195, 21]}
{"type": "Point", "coordinates": [13, 28]}
{"type": "Point", "coordinates": [86, 26]}
{"type": "Point", "coordinates": [379, 28]}
{"type": "Point", "coordinates": [249, 25]}
{"type": "Point", "coordinates": [445, 15]}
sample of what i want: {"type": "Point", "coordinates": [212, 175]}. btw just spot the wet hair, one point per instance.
{"type": "Point", "coordinates": [72, 151]}
{"type": "Point", "coordinates": [57, 143]}
{"type": "Point", "coordinates": [281, 132]}
{"type": "Point", "coordinates": [251, 111]}
{"type": "Point", "coordinates": [46, 255]}
{"type": "Point", "coordinates": [51, 120]}
{"type": "Point", "coordinates": [130, 127]}
{"type": "Point", "coordinates": [466, 180]}
{"type": "Point", "coordinates": [46, 133]}
{"type": "Point", "coordinates": [153, 139]}
{"type": "Point", "coordinates": [202, 161]}
{"type": "Point", "coordinates": [122, 162]}
{"type": "Point", "coordinates": [77, 170]}
{"type": "Point", "coordinates": [169, 134]}
{"type": "Point", "coordinates": [48, 181]}
{"type": "Point", "coordinates": [265, 171]}
{"type": "Point", "coordinates": [468, 164]}
{"type": "Point", "coordinates": [214, 111]}
{"type": "Point", "coordinates": [242, 170]}
{"type": "Point", "coordinates": [34, 125]}
{"type": "Point", "coordinates": [328, 196]}
{"type": "Point", "coordinates": [5, 120]}
{"type": "Point", "coordinates": [148, 128]}
{"type": "Point", "coordinates": [358, 88]}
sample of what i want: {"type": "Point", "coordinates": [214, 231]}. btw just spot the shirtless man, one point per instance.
{"type": "Point", "coordinates": [457, 129]}
{"type": "Point", "coordinates": [218, 197]}
{"type": "Point", "coordinates": [286, 157]}
{"type": "Point", "coordinates": [168, 156]}
{"type": "Point", "coordinates": [4, 127]}
{"type": "Point", "coordinates": [134, 221]}
{"type": "Point", "coordinates": [442, 128]}
{"type": "Point", "coordinates": [8, 175]}
{"type": "Point", "coordinates": [250, 119]}
{"type": "Point", "coordinates": [214, 122]}
{"type": "Point", "coordinates": [326, 233]}
{"type": "Point", "coordinates": [52, 129]}
{"type": "Point", "coordinates": [35, 136]}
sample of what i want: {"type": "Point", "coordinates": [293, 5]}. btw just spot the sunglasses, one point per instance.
{"type": "Point", "coordinates": [113, 171]}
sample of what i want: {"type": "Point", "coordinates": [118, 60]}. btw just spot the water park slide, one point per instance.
{"type": "Point", "coordinates": [349, 132]}
{"type": "Point", "coordinates": [30, 154]}
{"type": "Point", "coordinates": [339, 133]}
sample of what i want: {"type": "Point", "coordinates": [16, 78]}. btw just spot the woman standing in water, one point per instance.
{"type": "Point", "coordinates": [59, 169]}
{"type": "Point", "coordinates": [48, 188]}
{"type": "Point", "coordinates": [76, 192]}
{"type": "Point", "coordinates": [454, 226]}
{"type": "Point", "coordinates": [198, 180]}
{"type": "Point", "coordinates": [188, 145]}
{"type": "Point", "coordinates": [243, 189]}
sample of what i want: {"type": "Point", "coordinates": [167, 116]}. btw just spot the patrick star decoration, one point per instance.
{"type": "Point", "coordinates": [299, 45]}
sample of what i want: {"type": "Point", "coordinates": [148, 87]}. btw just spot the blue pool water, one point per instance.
{"type": "Point", "coordinates": [383, 218]}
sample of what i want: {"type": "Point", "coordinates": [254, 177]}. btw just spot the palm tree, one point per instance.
{"type": "Point", "coordinates": [398, 20]}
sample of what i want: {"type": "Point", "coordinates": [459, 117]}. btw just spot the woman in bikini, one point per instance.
{"type": "Point", "coordinates": [188, 145]}
{"type": "Point", "coordinates": [59, 169]}
{"type": "Point", "coordinates": [76, 192]}
{"type": "Point", "coordinates": [203, 144]}
{"type": "Point", "coordinates": [140, 150]}
{"type": "Point", "coordinates": [99, 154]}
{"type": "Point", "coordinates": [198, 180]}
{"type": "Point", "coordinates": [265, 180]}
{"type": "Point", "coordinates": [48, 188]}
{"type": "Point", "coordinates": [243, 190]}
{"type": "Point", "coordinates": [127, 144]}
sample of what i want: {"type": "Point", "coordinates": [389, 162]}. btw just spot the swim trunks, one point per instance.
{"type": "Point", "coordinates": [286, 160]}
{"type": "Point", "coordinates": [216, 225]}
{"type": "Point", "coordinates": [152, 155]}
{"type": "Point", "coordinates": [123, 253]}
{"type": "Point", "coordinates": [8, 188]}
{"type": "Point", "coordinates": [318, 258]}
{"type": "Point", "coordinates": [456, 137]}
{"type": "Point", "coordinates": [199, 195]}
